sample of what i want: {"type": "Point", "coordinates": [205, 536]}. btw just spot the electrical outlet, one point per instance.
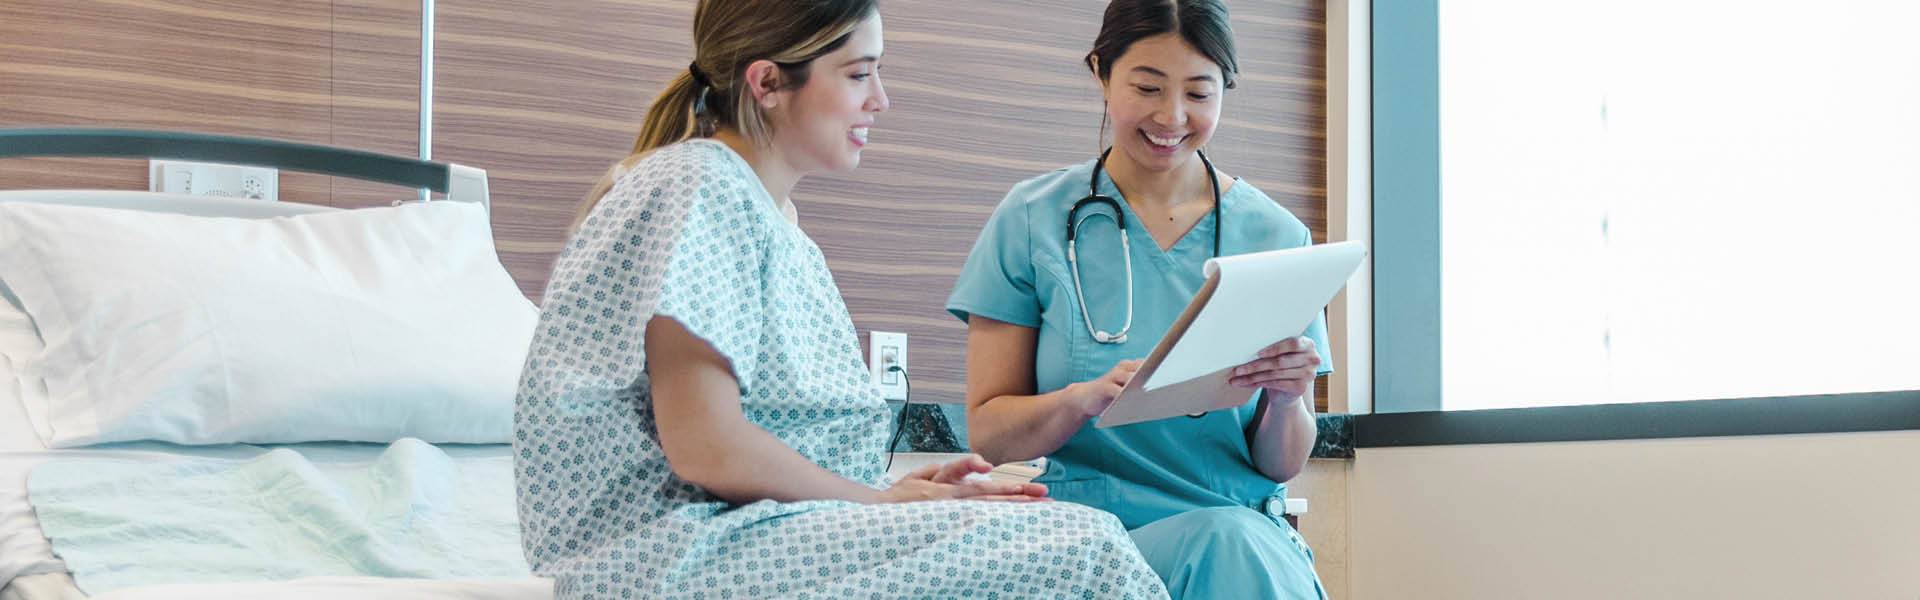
{"type": "Point", "coordinates": [887, 349]}
{"type": "Point", "coordinates": [253, 185]}
{"type": "Point", "coordinates": [213, 179]}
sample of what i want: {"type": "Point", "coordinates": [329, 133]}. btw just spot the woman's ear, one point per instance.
{"type": "Point", "coordinates": [1093, 64]}
{"type": "Point", "coordinates": [764, 84]}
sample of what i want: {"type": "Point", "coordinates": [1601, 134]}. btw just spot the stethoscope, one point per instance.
{"type": "Point", "coordinates": [1126, 249]}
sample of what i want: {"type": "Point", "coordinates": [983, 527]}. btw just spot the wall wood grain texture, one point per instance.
{"type": "Point", "coordinates": [985, 94]}
{"type": "Point", "coordinates": [338, 72]}
{"type": "Point", "coordinates": [546, 100]}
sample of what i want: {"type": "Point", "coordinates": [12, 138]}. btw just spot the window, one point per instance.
{"type": "Point", "coordinates": [1649, 201]}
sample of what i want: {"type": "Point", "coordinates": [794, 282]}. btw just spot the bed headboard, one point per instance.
{"type": "Point", "coordinates": [459, 183]}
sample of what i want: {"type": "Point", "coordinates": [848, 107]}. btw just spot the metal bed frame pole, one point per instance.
{"type": "Point", "coordinates": [426, 85]}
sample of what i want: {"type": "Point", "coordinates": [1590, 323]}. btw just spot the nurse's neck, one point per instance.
{"type": "Point", "coordinates": [1159, 190]}
{"type": "Point", "coordinates": [776, 175]}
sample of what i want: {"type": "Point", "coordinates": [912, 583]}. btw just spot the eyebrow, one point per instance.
{"type": "Point", "coordinates": [1157, 73]}
{"type": "Point", "coordinates": [868, 58]}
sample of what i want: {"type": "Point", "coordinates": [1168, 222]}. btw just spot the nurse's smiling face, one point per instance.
{"type": "Point", "coordinates": [1164, 98]}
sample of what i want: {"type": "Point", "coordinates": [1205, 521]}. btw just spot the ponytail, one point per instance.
{"type": "Point", "coordinates": [728, 35]}
{"type": "Point", "coordinates": [670, 119]}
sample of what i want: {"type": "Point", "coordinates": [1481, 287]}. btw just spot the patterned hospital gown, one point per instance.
{"type": "Point", "coordinates": [690, 233]}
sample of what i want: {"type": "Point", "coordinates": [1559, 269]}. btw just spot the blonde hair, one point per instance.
{"type": "Point", "coordinates": [728, 35]}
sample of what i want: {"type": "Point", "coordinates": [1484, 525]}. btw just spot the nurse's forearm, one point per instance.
{"type": "Point", "coordinates": [1283, 438]}
{"type": "Point", "coordinates": [1015, 428]}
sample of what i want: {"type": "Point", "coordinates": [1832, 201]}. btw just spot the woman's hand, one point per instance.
{"type": "Point", "coordinates": [1284, 370]}
{"type": "Point", "coordinates": [1094, 396]}
{"type": "Point", "coordinates": [950, 481]}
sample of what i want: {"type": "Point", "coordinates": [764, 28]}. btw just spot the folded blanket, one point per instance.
{"type": "Point", "coordinates": [412, 511]}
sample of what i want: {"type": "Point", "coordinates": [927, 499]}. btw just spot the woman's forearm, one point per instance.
{"type": "Point", "coordinates": [707, 438]}
{"type": "Point", "coordinates": [1006, 421]}
{"type": "Point", "coordinates": [1015, 428]}
{"type": "Point", "coordinates": [742, 463]}
{"type": "Point", "coordinates": [1283, 437]}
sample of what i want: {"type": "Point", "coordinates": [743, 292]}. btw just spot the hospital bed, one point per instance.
{"type": "Point", "coordinates": [184, 544]}
{"type": "Point", "coordinates": [30, 569]}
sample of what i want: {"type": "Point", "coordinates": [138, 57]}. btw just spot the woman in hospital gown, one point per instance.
{"type": "Point", "coordinates": [694, 420]}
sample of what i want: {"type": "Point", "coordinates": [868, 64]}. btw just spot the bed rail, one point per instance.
{"type": "Point", "coordinates": [459, 183]}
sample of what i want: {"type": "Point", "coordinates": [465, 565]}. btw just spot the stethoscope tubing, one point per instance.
{"type": "Point", "coordinates": [1126, 249]}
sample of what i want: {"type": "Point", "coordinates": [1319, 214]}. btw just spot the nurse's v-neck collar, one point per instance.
{"type": "Point", "coordinates": [1138, 228]}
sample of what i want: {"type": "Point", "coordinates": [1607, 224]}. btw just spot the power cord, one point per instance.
{"type": "Point", "coordinates": [900, 424]}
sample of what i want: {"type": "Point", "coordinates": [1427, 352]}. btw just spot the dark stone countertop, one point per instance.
{"type": "Point", "coordinates": [1336, 437]}
{"type": "Point", "coordinates": [942, 428]}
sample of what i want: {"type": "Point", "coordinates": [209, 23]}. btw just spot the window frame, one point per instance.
{"type": "Point", "coordinates": [1403, 134]}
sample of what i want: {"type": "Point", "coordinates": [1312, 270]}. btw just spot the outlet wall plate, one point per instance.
{"type": "Point", "coordinates": [884, 349]}
{"type": "Point", "coordinates": [213, 179]}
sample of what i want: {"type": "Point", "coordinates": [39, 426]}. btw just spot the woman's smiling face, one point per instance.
{"type": "Point", "coordinates": [1164, 99]}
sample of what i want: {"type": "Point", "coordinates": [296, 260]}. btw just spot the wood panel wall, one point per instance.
{"type": "Point", "coordinates": [546, 100]}
{"type": "Point", "coordinates": [985, 94]}
{"type": "Point", "coordinates": [339, 72]}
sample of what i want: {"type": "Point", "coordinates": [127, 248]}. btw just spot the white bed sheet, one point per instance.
{"type": "Point", "coordinates": [26, 556]}
{"type": "Point", "coordinates": [23, 551]}
{"type": "Point", "coordinates": [42, 586]}
{"type": "Point", "coordinates": [335, 588]}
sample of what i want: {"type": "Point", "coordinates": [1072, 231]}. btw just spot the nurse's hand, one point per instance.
{"type": "Point", "coordinates": [952, 481]}
{"type": "Point", "coordinates": [1094, 396]}
{"type": "Point", "coordinates": [958, 470]}
{"type": "Point", "coordinates": [1284, 369]}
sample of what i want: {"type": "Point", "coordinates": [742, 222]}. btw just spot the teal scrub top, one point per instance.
{"type": "Point", "coordinates": [1018, 273]}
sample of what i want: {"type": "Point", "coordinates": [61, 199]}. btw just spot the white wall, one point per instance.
{"type": "Point", "coordinates": [1328, 519]}
{"type": "Point", "coordinates": [1804, 516]}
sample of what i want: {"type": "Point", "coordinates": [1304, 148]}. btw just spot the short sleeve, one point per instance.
{"type": "Point", "coordinates": [1318, 333]}
{"type": "Point", "coordinates": [998, 279]}
{"type": "Point", "coordinates": [675, 236]}
{"type": "Point", "coordinates": [715, 280]}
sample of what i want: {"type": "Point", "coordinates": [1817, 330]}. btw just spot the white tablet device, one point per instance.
{"type": "Point", "coordinates": [1249, 302]}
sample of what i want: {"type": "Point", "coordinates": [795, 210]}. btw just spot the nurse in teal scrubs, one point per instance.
{"type": "Point", "coordinates": [1201, 495]}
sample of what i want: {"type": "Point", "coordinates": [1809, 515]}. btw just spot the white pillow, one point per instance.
{"type": "Point", "coordinates": [366, 325]}
{"type": "Point", "coordinates": [19, 349]}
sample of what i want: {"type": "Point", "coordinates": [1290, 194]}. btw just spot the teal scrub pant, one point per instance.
{"type": "Point", "coordinates": [1229, 553]}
